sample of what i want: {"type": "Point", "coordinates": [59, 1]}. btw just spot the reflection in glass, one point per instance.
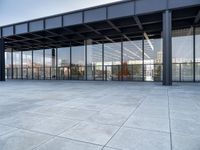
{"type": "Point", "coordinates": [78, 63]}
{"type": "Point", "coordinates": [132, 57]}
{"type": "Point", "coordinates": [63, 70]}
{"type": "Point", "coordinates": [152, 58]}
{"type": "Point", "coordinates": [94, 62]}
{"type": "Point", "coordinates": [17, 64]}
{"type": "Point", "coordinates": [182, 55]}
{"type": "Point", "coordinates": [197, 53]}
{"type": "Point", "coordinates": [27, 64]}
{"type": "Point", "coordinates": [8, 65]}
{"type": "Point", "coordinates": [50, 64]}
{"type": "Point", "coordinates": [38, 64]}
{"type": "Point", "coordinates": [112, 58]}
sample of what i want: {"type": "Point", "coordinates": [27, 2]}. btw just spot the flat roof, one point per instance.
{"type": "Point", "coordinates": [105, 23]}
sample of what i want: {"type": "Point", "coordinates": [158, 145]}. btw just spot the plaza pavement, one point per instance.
{"type": "Point", "coordinates": [89, 115]}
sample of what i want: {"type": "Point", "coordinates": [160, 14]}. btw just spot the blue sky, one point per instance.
{"type": "Point", "coordinates": [12, 11]}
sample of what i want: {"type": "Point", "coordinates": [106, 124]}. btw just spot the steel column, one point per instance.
{"type": "Point", "coordinates": [143, 57]}
{"type": "Point", "coordinates": [44, 67]}
{"type": "Point", "coordinates": [2, 60]}
{"type": "Point", "coordinates": [12, 70]}
{"type": "Point", "coordinates": [167, 48]}
{"type": "Point", "coordinates": [70, 61]}
{"type": "Point", "coordinates": [85, 43]}
{"type": "Point", "coordinates": [103, 71]}
{"type": "Point", "coordinates": [122, 60]}
{"type": "Point", "coordinates": [22, 67]}
{"type": "Point", "coordinates": [32, 71]}
{"type": "Point", "coordinates": [194, 57]}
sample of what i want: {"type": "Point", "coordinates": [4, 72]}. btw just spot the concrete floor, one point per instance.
{"type": "Point", "coordinates": [73, 115]}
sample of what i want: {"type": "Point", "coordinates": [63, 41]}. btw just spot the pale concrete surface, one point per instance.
{"type": "Point", "coordinates": [81, 115]}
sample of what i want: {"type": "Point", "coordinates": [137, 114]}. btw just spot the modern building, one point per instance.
{"type": "Point", "coordinates": [133, 40]}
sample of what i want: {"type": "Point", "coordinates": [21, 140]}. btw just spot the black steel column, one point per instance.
{"type": "Point", "coordinates": [85, 59]}
{"type": "Point", "coordinates": [44, 67]}
{"type": "Point", "coordinates": [167, 48]}
{"type": "Point", "coordinates": [194, 53]}
{"type": "Point", "coordinates": [142, 57]}
{"type": "Point", "coordinates": [56, 63]}
{"type": "Point", "coordinates": [122, 61]}
{"type": "Point", "coordinates": [32, 71]}
{"type": "Point", "coordinates": [70, 66]}
{"type": "Point", "coordinates": [103, 73]}
{"type": "Point", "coordinates": [12, 70]}
{"type": "Point", "coordinates": [2, 60]}
{"type": "Point", "coordinates": [22, 67]}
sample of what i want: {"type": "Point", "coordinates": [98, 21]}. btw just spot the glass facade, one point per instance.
{"type": "Point", "coordinates": [133, 60]}
{"type": "Point", "coordinates": [112, 61]}
{"type": "Point", "coordinates": [94, 62]}
{"type": "Point", "coordinates": [78, 63]}
{"type": "Point", "coordinates": [63, 63]}
{"type": "Point", "coordinates": [27, 64]}
{"type": "Point", "coordinates": [197, 54]}
{"type": "Point", "coordinates": [17, 65]}
{"type": "Point", "coordinates": [38, 64]}
{"type": "Point", "coordinates": [50, 64]}
{"type": "Point", "coordinates": [182, 55]}
{"type": "Point", "coordinates": [8, 65]}
{"type": "Point", "coordinates": [152, 59]}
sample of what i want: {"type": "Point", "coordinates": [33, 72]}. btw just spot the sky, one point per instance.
{"type": "Point", "coordinates": [13, 11]}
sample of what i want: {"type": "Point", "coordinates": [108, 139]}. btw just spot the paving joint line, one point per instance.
{"type": "Point", "coordinates": [142, 100]}
{"type": "Point", "coordinates": [54, 136]}
{"type": "Point", "coordinates": [169, 115]}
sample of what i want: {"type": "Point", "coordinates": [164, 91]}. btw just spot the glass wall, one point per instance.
{"type": "Point", "coordinates": [50, 64]}
{"type": "Point", "coordinates": [132, 60]}
{"type": "Point", "coordinates": [63, 70]}
{"type": "Point", "coordinates": [8, 65]}
{"type": "Point", "coordinates": [152, 58]}
{"type": "Point", "coordinates": [94, 62]}
{"type": "Point", "coordinates": [78, 63]}
{"type": "Point", "coordinates": [135, 60]}
{"type": "Point", "coordinates": [17, 72]}
{"type": "Point", "coordinates": [27, 64]}
{"type": "Point", "coordinates": [197, 54]}
{"type": "Point", "coordinates": [38, 64]}
{"type": "Point", "coordinates": [112, 61]}
{"type": "Point", "coordinates": [182, 55]}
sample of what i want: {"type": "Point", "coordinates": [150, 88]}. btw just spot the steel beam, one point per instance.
{"type": "Point", "coordinates": [2, 60]}
{"type": "Point", "coordinates": [167, 48]}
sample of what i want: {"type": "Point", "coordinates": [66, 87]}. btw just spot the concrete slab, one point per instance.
{"type": "Point", "coordinates": [66, 144]}
{"type": "Point", "coordinates": [91, 132]}
{"type": "Point", "coordinates": [22, 140]}
{"type": "Point", "coordinates": [134, 139]}
{"type": "Point", "coordinates": [87, 115]}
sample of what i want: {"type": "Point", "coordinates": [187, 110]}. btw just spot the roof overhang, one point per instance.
{"type": "Point", "coordinates": [113, 22]}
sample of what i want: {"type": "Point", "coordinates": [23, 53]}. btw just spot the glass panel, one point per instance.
{"type": "Point", "coordinates": [38, 64]}
{"type": "Point", "coordinates": [197, 53]}
{"type": "Point", "coordinates": [152, 56]}
{"type": "Point", "coordinates": [17, 64]}
{"type": "Point", "coordinates": [8, 65]}
{"type": "Point", "coordinates": [182, 53]}
{"type": "Point", "coordinates": [50, 64]}
{"type": "Point", "coordinates": [187, 72]}
{"type": "Point", "coordinates": [176, 72]}
{"type": "Point", "coordinates": [27, 64]}
{"type": "Point", "coordinates": [112, 59]}
{"type": "Point", "coordinates": [63, 70]}
{"type": "Point", "coordinates": [132, 57]}
{"type": "Point", "coordinates": [78, 63]}
{"type": "Point", "coordinates": [94, 62]}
